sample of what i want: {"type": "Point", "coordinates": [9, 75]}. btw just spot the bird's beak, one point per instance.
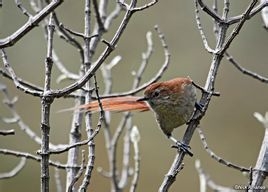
{"type": "Point", "coordinates": [143, 99]}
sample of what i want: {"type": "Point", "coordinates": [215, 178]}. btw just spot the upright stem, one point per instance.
{"type": "Point", "coordinates": [87, 65]}
{"type": "Point", "coordinates": [45, 112]}
{"type": "Point", "coordinates": [74, 137]}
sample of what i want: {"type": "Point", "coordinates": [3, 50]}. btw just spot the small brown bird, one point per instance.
{"type": "Point", "coordinates": [173, 103]}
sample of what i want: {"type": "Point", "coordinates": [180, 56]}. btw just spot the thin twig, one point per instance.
{"type": "Point", "coordinates": [218, 158]}
{"type": "Point", "coordinates": [125, 171]}
{"type": "Point", "coordinates": [135, 138]}
{"type": "Point", "coordinates": [16, 118]}
{"type": "Point", "coordinates": [79, 173]}
{"type": "Point", "coordinates": [157, 76]}
{"type": "Point", "coordinates": [210, 12]}
{"type": "Point", "coordinates": [238, 27]}
{"type": "Point", "coordinates": [112, 16]}
{"type": "Point", "coordinates": [252, 13]}
{"type": "Point", "coordinates": [86, 66]}
{"type": "Point", "coordinates": [23, 10]}
{"type": "Point", "coordinates": [89, 73]}
{"type": "Point", "coordinates": [244, 70]}
{"type": "Point", "coordinates": [15, 170]}
{"type": "Point", "coordinates": [113, 146]}
{"type": "Point", "coordinates": [7, 132]}
{"type": "Point", "coordinates": [15, 79]}
{"type": "Point", "coordinates": [146, 6]}
{"type": "Point", "coordinates": [206, 180]}
{"type": "Point", "coordinates": [200, 28]}
{"type": "Point", "coordinates": [67, 37]}
{"type": "Point", "coordinates": [30, 24]}
{"type": "Point", "coordinates": [21, 81]}
{"type": "Point", "coordinates": [58, 180]}
{"type": "Point", "coordinates": [145, 60]}
{"type": "Point", "coordinates": [97, 15]}
{"type": "Point", "coordinates": [71, 31]}
{"type": "Point", "coordinates": [36, 158]}
{"type": "Point", "coordinates": [260, 171]}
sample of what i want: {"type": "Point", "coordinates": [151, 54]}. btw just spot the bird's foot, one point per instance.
{"type": "Point", "coordinates": [183, 147]}
{"type": "Point", "coordinates": [199, 106]}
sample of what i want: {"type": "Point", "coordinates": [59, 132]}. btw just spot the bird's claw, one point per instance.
{"type": "Point", "coordinates": [183, 147]}
{"type": "Point", "coordinates": [199, 106]}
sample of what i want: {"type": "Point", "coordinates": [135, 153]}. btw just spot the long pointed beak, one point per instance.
{"type": "Point", "coordinates": [143, 99]}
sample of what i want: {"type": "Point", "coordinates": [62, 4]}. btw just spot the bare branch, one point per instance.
{"type": "Point", "coordinates": [36, 158]}
{"type": "Point", "coordinates": [238, 27]}
{"type": "Point", "coordinates": [206, 180]}
{"type": "Point", "coordinates": [81, 143]}
{"type": "Point", "coordinates": [30, 24]}
{"type": "Point", "coordinates": [15, 79]}
{"type": "Point", "coordinates": [89, 73]}
{"type": "Point", "coordinates": [46, 102]}
{"type": "Point", "coordinates": [79, 173]}
{"type": "Point", "coordinates": [23, 10]}
{"type": "Point", "coordinates": [221, 47]}
{"type": "Point", "coordinates": [260, 170]}
{"type": "Point", "coordinates": [21, 81]}
{"type": "Point", "coordinates": [252, 13]}
{"type": "Point", "coordinates": [216, 157]}
{"type": "Point", "coordinates": [146, 6]}
{"type": "Point", "coordinates": [7, 132]}
{"type": "Point", "coordinates": [145, 60]}
{"type": "Point", "coordinates": [200, 28]}
{"type": "Point", "coordinates": [113, 15]}
{"type": "Point", "coordinates": [210, 12]}
{"type": "Point", "coordinates": [15, 170]}
{"type": "Point", "coordinates": [125, 170]}
{"type": "Point", "coordinates": [67, 37]}
{"type": "Point", "coordinates": [16, 118]}
{"type": "Point", "coordinates": [57, 180]}
{"type": "Point", "coordinates": [61, 26]}
{"type": "Point", "coordinates": [97, 15]}
{"type": "Point", "coordinates": [135, 138]}
{"type": "Point", "coordinates": [156, 77]}
{"type": "Point", "coordinates": [244, 70]}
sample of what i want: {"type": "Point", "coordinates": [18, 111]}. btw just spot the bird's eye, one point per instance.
{"type": "Point", "coordinates": [156, 93]}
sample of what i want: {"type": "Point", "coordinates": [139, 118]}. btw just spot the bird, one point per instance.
{"type": "Point", "coordinates": [172, 102]}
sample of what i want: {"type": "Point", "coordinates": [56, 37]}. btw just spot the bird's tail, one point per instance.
{"type": "Point", "coordinates": [117, 104]}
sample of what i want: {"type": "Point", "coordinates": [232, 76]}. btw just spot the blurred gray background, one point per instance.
{"type": "Point", "coordinates": [231, 130]}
